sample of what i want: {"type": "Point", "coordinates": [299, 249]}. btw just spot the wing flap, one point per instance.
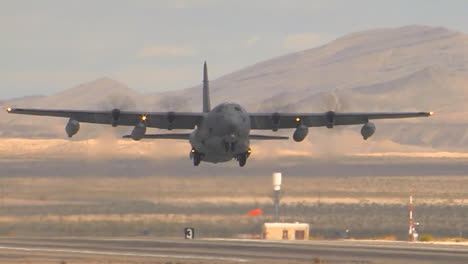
{"type": "Point", "coordinates": [265, 137]}
{"type": "Point", "coordinates": [163, 120]}
{"type": "Point", "coordinates": [164, 136]}
{"type": "Point", "coordinates": [362, 118]}
{"type": "Point", "coordinates": [275, 121]}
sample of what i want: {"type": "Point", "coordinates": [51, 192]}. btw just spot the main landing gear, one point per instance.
{"type": "Point", "coordinates": [196, 157]}
{"type": "Point", "coordinates": [242, 158]}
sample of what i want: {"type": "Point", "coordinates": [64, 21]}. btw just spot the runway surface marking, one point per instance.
{"type": "Point", "coordinates": [382, 244]}
{"type": "Point", "coordinates": [128, 254]}
{"type": "Point", "coordinates": [234, 250]}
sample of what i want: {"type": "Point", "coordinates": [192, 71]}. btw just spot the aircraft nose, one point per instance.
{"type": "Point", "coordinates": [231, 125]}
{"type": "Point", "coordinates": [232, 128]}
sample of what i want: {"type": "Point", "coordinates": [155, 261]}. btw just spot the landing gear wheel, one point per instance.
{"type": "Point", "coordinates": [196, 159]}
{"type": "Point", "coordinates": [242, 158]}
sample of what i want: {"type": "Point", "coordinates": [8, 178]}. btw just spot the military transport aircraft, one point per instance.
{"type": "Point", "coordinates": [220, 134]}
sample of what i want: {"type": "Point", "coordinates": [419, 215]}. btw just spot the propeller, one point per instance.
{"type": "Point", "coordinates": [118, 101]}
{"type": "Point", "coordinates": [332, 102]}
{"type": "Point", "coordinates": [174, 103]}
{"type": "Point", "coordinates": [115, 104]}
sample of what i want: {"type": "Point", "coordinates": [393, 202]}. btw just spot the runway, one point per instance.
{"type": "Point", "coordinates": [222, 250]}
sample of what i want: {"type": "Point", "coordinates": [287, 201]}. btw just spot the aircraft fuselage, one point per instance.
{"type": "Point", "coordinates": [223, 134]}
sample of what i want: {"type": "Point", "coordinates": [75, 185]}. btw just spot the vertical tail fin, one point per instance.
{"type": "Point", "coordinates": [206, 90]}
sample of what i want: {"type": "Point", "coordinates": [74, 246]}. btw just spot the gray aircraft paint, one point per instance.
{"type": "Point", "coordinates": [223, 134]}
{"type": "Point", "coordinates": [224, 131]}
{"type": "Point", "coordinates": [219, 134]}
{"type": "Point", "coordinates": [206, 90]}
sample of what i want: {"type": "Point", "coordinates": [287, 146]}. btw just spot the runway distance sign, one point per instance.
{"type": "Point", "coordinates": [189, 233]}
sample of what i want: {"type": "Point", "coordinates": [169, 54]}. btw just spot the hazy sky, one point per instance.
{"type": "Point", "coordinates": [48, 46]}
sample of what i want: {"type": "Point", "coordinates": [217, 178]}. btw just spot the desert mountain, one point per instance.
{"type": "Point", "coordinates": [402, 69]}
{"type": "Point", "coordinates": [360, 59]}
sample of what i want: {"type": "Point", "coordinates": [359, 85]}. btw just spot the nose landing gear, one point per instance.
{"type": "Point", "coordinates": [229, 145]}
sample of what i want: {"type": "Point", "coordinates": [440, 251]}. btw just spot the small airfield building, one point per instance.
{"type": "Point", "coordinates": [285, 231]}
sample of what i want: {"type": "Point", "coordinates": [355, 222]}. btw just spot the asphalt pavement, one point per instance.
{"type": "Point", "coordinates": [238, 250]}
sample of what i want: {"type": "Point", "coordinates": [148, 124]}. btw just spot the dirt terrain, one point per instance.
{"type": "Point", "coordinates": [62, 196]}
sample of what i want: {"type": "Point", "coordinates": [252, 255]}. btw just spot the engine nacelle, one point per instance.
{"type": "Point", "coordinates": [72, 127]}
{"type": "Point", "coordinates": [300, 133]}
{"type": "Point", "coordinates": [367, 130]}
{"type": "Point", "coordinates": [139, 131]}
{"type": "Point", "coordinates": [275, 118]}
{"type": "Point", "coordinates": [115, 113]}
{"type": "Point", "coordinates": [330, 119]}
{"type": "Point", "coordinates": [171, 116]}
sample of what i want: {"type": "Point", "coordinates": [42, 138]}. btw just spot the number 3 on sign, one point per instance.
{"type": "Point", "coordinates": [189, 233]}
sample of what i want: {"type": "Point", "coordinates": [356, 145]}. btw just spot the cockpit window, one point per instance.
{"type": "Point", "coordinates": [219, 108]}
{"type": "Point", "coordinates": [227, 106]}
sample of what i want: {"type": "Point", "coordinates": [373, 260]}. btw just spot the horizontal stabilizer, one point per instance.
{"type": "Point", "coordinates": [164, 136]}
{"type": "Point", "coordinates": [264, 137]}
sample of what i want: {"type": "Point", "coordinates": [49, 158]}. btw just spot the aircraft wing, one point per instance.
{"type": "Point", "coordinates": [266, 137]}
{"type": "Point", "coordinates": [163, 120]}
{"type": "Point", "coordinates": [329, 119]}
{"type": "Point", "coordinates": [163, 136]}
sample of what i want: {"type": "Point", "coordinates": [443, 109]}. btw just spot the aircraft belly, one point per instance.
{"type": "Point", "coordinates": [216, 158]}
{"type": "Point", "coordinates": [214, 151]}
